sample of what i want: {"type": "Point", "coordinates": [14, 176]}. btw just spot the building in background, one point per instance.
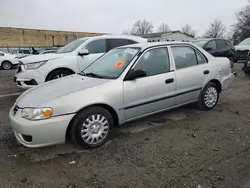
{"type": "Point", "coordinates": [168, 36]}
{"type": "Point", "coordinates": [27, 38]}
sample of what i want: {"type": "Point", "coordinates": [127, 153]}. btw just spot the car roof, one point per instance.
{"type": "Point", "coordinates": [131, 37]}
{"type": "Point", "coordinates": [208, 39]}
{"type": "Point", "coordinates": [153, 44]}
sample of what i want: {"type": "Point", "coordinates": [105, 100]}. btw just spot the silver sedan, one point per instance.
{"type": "Point", "coordinates": [125, 84]}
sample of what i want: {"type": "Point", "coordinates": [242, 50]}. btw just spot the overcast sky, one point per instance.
{"type": "Point", "coordinates": [115, 16]}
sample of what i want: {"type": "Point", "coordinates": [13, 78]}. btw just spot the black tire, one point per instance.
{"type": "Point", "coordinates": [6, 65]}
{"type": "Point", "coordinates": [78, 127]}
{"type": "Point", "coordinates": [246, 72]}
{"type": "Point", "coordinates": [58, 74]}
{"type": "Point", "coordinates": [202, 102]}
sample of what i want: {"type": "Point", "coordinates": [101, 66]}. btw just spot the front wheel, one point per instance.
{"type": "Point", "coordinates": [6, 65]}
{"type": "Point", "coordinates": [92, 127]}
{"type": "Point", "coordinates": [209, 97]}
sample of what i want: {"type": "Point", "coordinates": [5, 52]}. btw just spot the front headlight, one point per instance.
{"type": "Point", "coordinates": [36, 65]}
{"type": "Point", "coordinates": [36, 113]}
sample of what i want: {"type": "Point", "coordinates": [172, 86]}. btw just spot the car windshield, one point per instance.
{"type": "Point", "coordinates": [245, 42]}
{"type": "Point", "coordinates": [200, 43]}
{"type": "Point", "coordinates": [111, 64]}
{"type": "Point", "coordinates": [71, 46]}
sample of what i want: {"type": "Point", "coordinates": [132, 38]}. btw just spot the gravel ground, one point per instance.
{"type": "Point", "coordinates": [180, 148]}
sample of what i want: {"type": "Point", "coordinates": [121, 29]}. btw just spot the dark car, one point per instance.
{"type": "Point", "coordinates": [246, 67]}
{"type": "Point", "coordinates": [218, 48]}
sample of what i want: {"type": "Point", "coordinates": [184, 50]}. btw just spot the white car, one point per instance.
{"type": "Point", "coordinates": [242, 49]}
{"type": "Point", "coordinates": [72, 58]}
{"type": "Point", "coordinates": [8, 60]}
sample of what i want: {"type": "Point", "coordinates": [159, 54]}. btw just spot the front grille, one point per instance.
{"type": "Point", "coordinates": [19, 83]}
{"type": "Point", "coordinates": [242, 54]}
{"type": "Point", "coordinates": [19, 69]}
{"type": "Point", "coordinates": [15, 109]}
{"type": "Point", "coordinates": [19, 66]}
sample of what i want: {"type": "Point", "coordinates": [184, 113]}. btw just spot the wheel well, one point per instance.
{"type": "Point", "coordinates": [218, 84]}
{"type": "Point", "coordinates": [71, 71]}
{"type": "Point", "coordinates": [5, 61]}
{"type": "Point", "coordinates": [107, 107]}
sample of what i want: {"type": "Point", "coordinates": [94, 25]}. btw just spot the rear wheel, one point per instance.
{"type": "Point", "coordinates": [6, 65]}
{"type": "Point", "coordinates": [209, 97]}
{"type": "Point", "coordinates": [92, 127]}
{"type": "Point", "coordinates": [58, 74]}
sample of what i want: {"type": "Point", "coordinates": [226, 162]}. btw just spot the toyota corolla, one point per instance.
{"type": "Point", "coordinates": [125, 84]}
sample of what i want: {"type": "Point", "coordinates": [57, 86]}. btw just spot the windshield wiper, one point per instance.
{"type": "Point", "coordinates": [91, 74]}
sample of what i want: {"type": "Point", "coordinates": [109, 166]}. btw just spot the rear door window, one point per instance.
{"type": "Point", "coordinates": [222, 44]}
{"type": "Point", "coordinates": [211, 45]}
{"type": "Point", "coordinates": [184, 56]}
{"type": "Point", "coordinates": [97, 46]}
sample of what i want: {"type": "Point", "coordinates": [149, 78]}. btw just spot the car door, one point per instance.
{"type": "Point", "coordinates": [156, 90]}
{"type": "Point", "coordinates": [96, 49]}
{"type": "Point", "coordinates": [191, 72]}
{"type": "Point", "coordinates": [223, 49]}
{"type": "Point", "coordinates": [211, 47]}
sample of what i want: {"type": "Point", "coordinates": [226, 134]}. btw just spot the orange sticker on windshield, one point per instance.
{"type": "Point", "coordinates": [119, 64]}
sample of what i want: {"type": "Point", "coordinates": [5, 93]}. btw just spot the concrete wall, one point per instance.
{"type": "Point", "coordinates": [16, 37]}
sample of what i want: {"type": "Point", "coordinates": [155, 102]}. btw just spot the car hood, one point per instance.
{"type": "Point", "coordinates": [242, 47]}
{"type": "Point", "coordinates": [41, 57]}
{"type": "Point", "coordinates": [55, 89]}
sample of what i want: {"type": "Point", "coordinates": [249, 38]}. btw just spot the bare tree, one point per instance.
{"type": "Point", "coordinates": [126, 32]}
{"type": "Point", "coordinates": [163, 28]}
{"type": "Point", "coordinates": [242, 27]}
{"type": "Point", "coordinates": [216, 30]}
{"type": "Point", "coordinates": [187, 29]}
{"type": "Point", "coordinates": [142, 27]}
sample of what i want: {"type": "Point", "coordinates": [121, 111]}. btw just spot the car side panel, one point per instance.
{"type": "Point", "coordinates": [69, 62]}
{"type": "Point", "coordinates": [109, 94]}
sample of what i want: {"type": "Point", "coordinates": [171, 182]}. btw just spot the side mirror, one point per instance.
{"type": "Point", "coordinates": [83, 52]}
{"type": "Point", "coordinates": [208, 48]}
{"type": "Point", "coordinates": [133, 74]}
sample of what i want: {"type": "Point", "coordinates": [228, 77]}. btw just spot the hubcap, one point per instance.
{"type": "Point", "coordinates": [59, 76]}
{"type": "Point", "coordinates": [211, 97]}
{"type": "Point", "coordinates": [6, 65]}
{"type": "Point", "coordinates": [95, 129]}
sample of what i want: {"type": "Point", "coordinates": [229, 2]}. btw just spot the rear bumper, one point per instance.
{"type": "Point", "coordinates": [228, 80]}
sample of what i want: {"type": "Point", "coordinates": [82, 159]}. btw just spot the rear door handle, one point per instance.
{"type": "Point", "coordinates": [170, 80]}
{"type": "Point", "coordinates": [206, 72]}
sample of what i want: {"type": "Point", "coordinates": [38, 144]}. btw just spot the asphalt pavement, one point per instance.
{"type": "Point", "coordinates": [175, 149]}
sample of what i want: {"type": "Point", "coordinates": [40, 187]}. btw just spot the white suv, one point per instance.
{"type": "Point", "coordinates": [72, 58]}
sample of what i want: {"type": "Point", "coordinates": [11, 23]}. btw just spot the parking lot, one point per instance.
{"type": "Point", "coordinates": [180, 148]}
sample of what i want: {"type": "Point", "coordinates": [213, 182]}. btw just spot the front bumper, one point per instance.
{"type": "Point", "coordinates": [39, 133]}
{"type": "Point", "coordinates": [26, 79]}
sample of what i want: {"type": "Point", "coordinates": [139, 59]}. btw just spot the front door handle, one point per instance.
{"type": "Point", "coordinates": [206, 72]}
{"type": "Point", "coordinates": [170, 80]}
